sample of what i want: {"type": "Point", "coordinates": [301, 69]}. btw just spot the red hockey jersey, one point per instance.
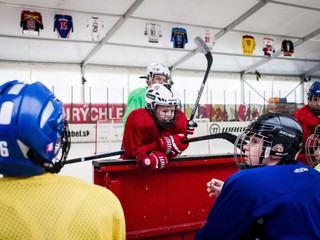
{"type": "Point", "coordinates": [308, 121]}
{"type": "Point", "coordinates": [141, 133]}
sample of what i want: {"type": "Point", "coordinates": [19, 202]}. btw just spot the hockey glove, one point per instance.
{"type": "Point", "coordinates": [155, 161]}
{"type": "Point", "coordinates": [173, 144]}
{"type": "Point", "coordinates": [191, 126]}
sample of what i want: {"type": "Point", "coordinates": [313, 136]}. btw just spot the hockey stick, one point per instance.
{"type": "Point", "coordinates": [202, 46]}
{"type": "Point", "coordinates": [93, 157]}
{"type": "Point", "coordinates": [224, 135]}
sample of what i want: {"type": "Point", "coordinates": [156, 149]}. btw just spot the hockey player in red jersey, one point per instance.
{"type": "Point", "coordinates": [153, 134]}
{"type": "Point", "coordinates": [309, 115]}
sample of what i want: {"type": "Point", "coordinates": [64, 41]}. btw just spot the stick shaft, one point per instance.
{"type": "Point", "coordinates": [204, 48]}
{"type": "Point", "coordinates": [224, 135]}
{"type": "Point", "coordinates": [93, 157]}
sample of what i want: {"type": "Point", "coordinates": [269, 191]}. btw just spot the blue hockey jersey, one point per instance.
{"type": "Point", "coordinates": [271, 202]}
{"type": "Point", "coordinates": [63, 25]}
{"type": "Point", "coordinates": [179, 37]}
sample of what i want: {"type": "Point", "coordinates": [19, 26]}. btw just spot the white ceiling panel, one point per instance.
{"type": "Point", "coordinates": [116, 55]}
{"type": "Point", "coordinates": [33, 50]}
{"type": "Point", "coordinates": [282, 20]}
{"type": "Point", "coordinates": [214, 13]}
{"type": "Point", "coordinates": [286, 67]}
{"type": "Point", "coordinates": [93, 6]}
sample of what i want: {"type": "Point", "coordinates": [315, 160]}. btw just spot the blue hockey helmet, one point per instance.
{"type": "Point", "coordinates": [32, 130]}
{"type": "Point", "coordinates": [314, 89]}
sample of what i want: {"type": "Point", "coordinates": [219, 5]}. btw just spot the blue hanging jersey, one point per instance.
{"type": "Point", "coordinates": [179, 37]}
{"type": "Point", "coordinates": [271, 202]}
{"type": "Point", "coordinates": [63, 25]}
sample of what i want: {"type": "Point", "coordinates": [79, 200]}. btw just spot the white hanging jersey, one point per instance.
{"type": "Point", "coordinates": [268, 46]}
{"type": "Point", "coordinates": [95, 26]}
{"type": "Point", "coordinates": [153, 31]}
{"type": "Point", "coordinates": [208, 38]}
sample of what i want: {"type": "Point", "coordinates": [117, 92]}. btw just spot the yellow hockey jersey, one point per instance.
{"type": "Point", "coordinates": [248, 44]}
{"type": "Point", "coordinates": [58, 207]}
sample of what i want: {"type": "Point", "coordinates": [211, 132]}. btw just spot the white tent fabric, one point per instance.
{"type": "Point", "coordinates": [123, 42]}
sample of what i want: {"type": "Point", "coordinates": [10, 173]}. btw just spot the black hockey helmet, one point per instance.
{"type": "Point", "coordinates": [275, 129]}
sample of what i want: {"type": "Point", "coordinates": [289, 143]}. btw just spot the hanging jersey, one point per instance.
{"type": "Point", "coordinates": [31, 22]}
{"type": "Point", "coordinates": [287, 48]}
{"type": "Point", "coordinates": [248, 44]}
{"type": "Point", "coordinates": [268, 46]}
{"type": "Point", "coordinates": [179, 37]}
{"type": "Point", "coordinates": [153, 31]}
{"type": "Point", "coordinates": [63, 25]}
{"type": "Point", "coordinates": [208, 38]}
{"type": "Point", "coordinates": [95, 26]}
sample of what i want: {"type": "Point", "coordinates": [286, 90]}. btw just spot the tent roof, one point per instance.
{"type": "Point", "coordinates": [124, 43]}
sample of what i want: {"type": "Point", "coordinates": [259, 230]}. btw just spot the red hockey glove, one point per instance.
{"type": "Point", "coordinates": [191, 126]}
{"type": "Point", "coordinates": [173, 144]}
{"type": "Point", "coordinates": [155, 160]}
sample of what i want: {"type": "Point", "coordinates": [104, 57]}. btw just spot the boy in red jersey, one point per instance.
{"type": "Point", "coordinates": [153, 134]}
{"type": "Point", "coordinates": [309, 115]}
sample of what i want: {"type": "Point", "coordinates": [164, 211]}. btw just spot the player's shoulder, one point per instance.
{"type": "Point", "coordinates": [302, 110]}
{"type": "Point", "coordinates": [138, 90]}
{"type": "Point", "coordinates": [139, 111]}
{"type": "Point", "coordinates": [251, 176]}
{"type": "Point", "coordinates": [95, 190]}
{"type": "Point", "coordinates": [181, 115]}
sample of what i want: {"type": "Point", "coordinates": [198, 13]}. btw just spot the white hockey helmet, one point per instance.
{"type": "Point", "coordinates": [160, 69]}
{"type": "Point", "coordinates": [164, 95]}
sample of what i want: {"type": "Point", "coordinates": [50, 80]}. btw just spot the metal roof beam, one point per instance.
{"type": "Point", "coordinates": [225, 30]}
{"type": "Point", "coordinates": [276, 54]}
{"type": "Point", "coordinates": [115, 27]}
{"type": "Point", "coordinates": [313, 70]}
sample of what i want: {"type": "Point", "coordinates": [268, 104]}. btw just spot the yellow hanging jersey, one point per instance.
{"type": "Point", "coordinates": [58, 207]}
{"type": "Point", "coordinates": [248, 44]}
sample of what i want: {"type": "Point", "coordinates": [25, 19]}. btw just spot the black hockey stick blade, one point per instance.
{"type": "Point", "coordinates": [93, 157]}
{"type": "Point", "coordinates": [224, 135]}
{"type": "Point", "coordinates": [202, 46]}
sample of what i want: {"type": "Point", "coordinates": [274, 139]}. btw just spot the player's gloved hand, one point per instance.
{"type": "Point", "coordinates": [173, 144]}
{"type": "Point", "coordinates": [155, 160]}
{"type": "Point", "coordinates": [191, 126]}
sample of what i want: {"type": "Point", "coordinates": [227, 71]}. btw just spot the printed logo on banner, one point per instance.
{"type": "Point", "coordinates": [231, 127]}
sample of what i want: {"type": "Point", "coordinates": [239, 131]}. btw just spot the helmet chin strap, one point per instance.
{"type": "Point", "coordinates": [48, 166]}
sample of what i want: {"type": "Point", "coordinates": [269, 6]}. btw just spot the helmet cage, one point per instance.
{"type": "Point", "coordinates": [162, 95]}
{"type": "Point", "coordinates": [61, 152]}
{"type": "Point", "coordinates": [275, 129]}
{"type": "Point", "coordinates": [163, 123]}
{"type": "Point", "coordinates": [245, 160]}
{"type": "Point", "coordinates": [311, 147]}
